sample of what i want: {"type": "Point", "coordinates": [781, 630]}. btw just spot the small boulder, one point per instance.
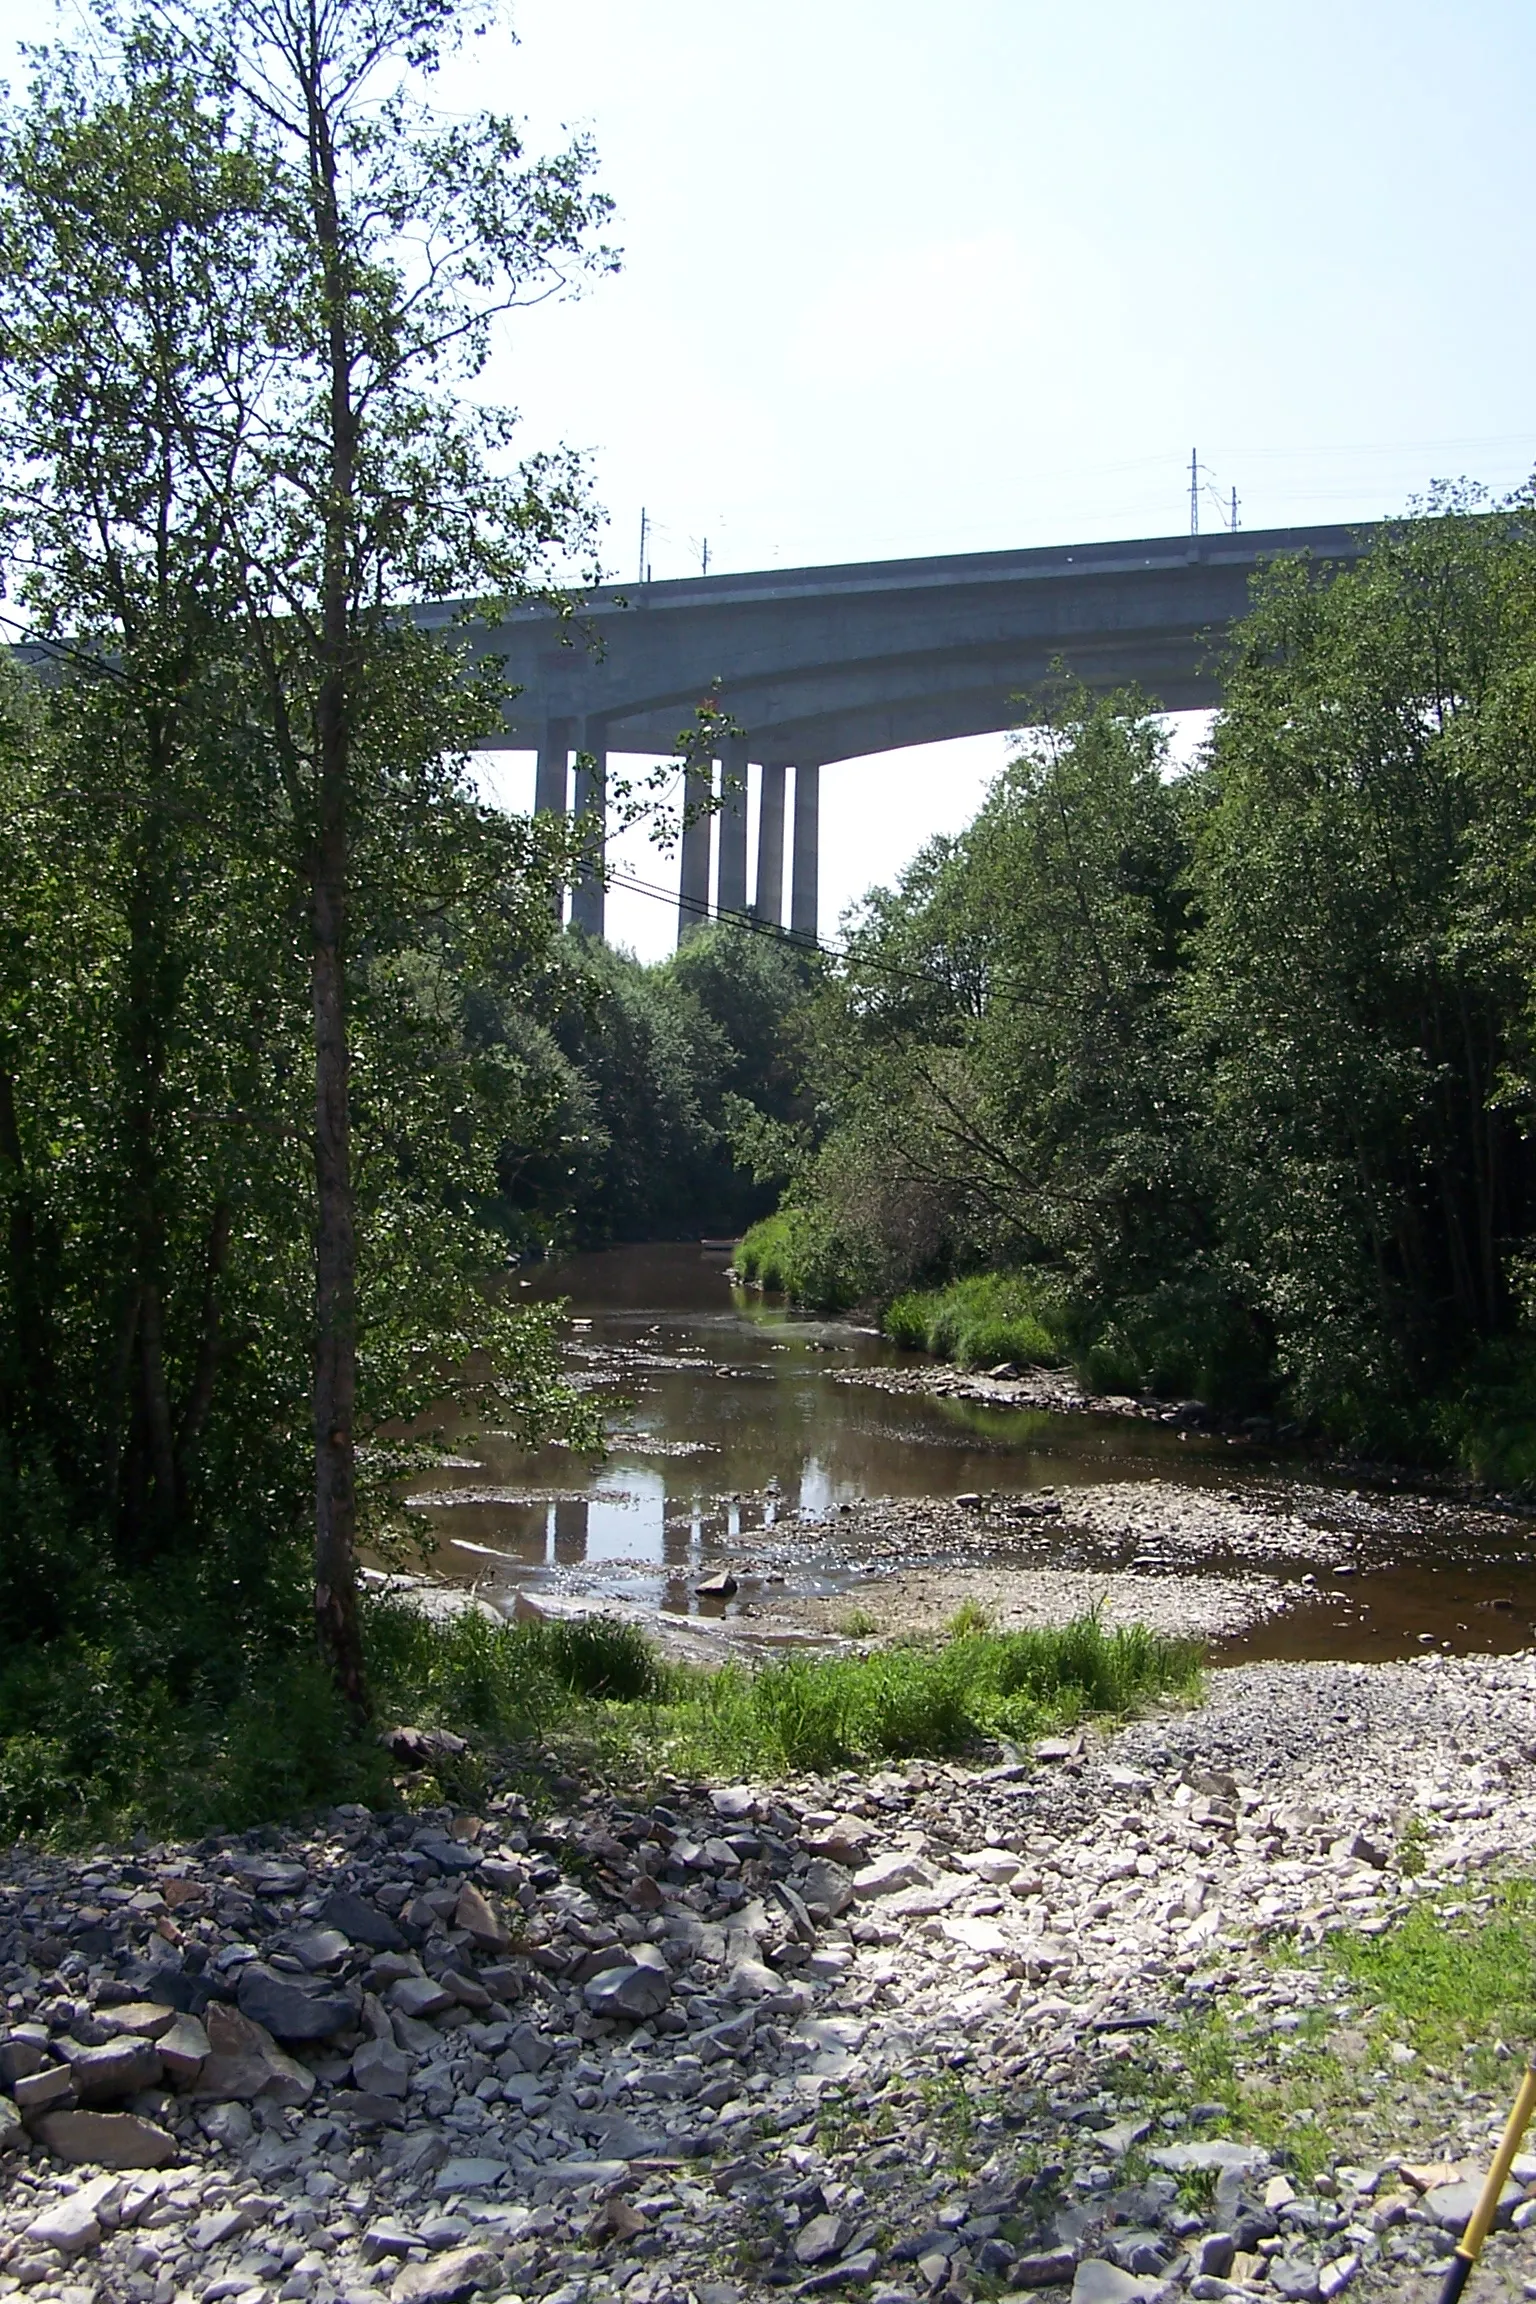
{"type": "Point", "coordinates": [361, 1921]}
{"type": "Point", "coordinates": [641, 1988]}
{"type": "Point", "coordinates": [72, 2225]}
{"type": "Point", "coordinates": [448, 2278]}
{"type": "Point", "coordinates": [117, 2069]}
{"type": "Point", "coordinates": [109, 2139]}
{"type": "Point", "coordinates": [382, 2069]}
{"type": "Point", "coordinates": [295, 2007]}
{"type": "Point", "coordinates": [818, 2241]}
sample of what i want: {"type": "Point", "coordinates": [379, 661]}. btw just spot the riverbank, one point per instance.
{"type": "Point", "coordinates": [1126, 2007]}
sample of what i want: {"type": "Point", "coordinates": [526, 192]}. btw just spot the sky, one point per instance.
{"type": "Point", "coordinates": [922, 276]}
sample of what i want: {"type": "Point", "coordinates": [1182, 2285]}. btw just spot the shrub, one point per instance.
{"type": "Point", "coordinates": [983, 1319]}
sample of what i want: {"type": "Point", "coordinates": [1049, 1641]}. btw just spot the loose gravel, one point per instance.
{"type": "Point", "coordinates": [924, 2033]}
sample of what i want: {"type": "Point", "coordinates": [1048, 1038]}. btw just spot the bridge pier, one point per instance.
{"type": "Point", "coordinates": [587, 897]}
{"type": "Point", "coordinates": [731, 886]}
{"type": "Point", "coordinates": [770, 845]}
{"type": "Point", "coordinates": [693, 878]}
{"type": "Point", "coordinates": [803, 886]}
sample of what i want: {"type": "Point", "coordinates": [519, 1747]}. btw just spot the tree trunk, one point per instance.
{"type": "Point", "coordinates": [336, 1616]}
{"type": "Point", "coordinates": [335, 1393]}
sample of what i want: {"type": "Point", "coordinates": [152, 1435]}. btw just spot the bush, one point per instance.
{"type": "Point", "coordinates": [796, 1252]}
{"type": "Point", "coordinates": [981, 1320]}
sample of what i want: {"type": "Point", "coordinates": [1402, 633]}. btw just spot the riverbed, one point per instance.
{"type": "Point", "coordinates": [838, 1491]}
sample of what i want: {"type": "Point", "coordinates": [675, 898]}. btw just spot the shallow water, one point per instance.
{"type": "Point", "coordinates": [731, 1436]}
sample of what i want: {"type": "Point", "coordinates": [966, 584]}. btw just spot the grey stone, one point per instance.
{"type": "Point", "coordinates": [321, 1947]}
{"type": "Point", "coordinates": [419, 1997]}
{"type": "Point", "coordinates": [820, 2240]}
{"type": "Point", "coordinates": [1046, 2269]}
{"type": "Point", "coordinates": [446, 2279]}
{"type": "Point", "coordinates": [638, 1991]}
{"type": "Point", "coordinates": [117, 2069]}
{"type": "Point", "coordinates": [295, 2007]}
{"type": "Point", "coordinates": [1215, 2253]}
{"type": "Point", "coordinates": [38, 2091]}
{"type": "Point", "coordinates": [110, 2139]}
{"type": "Point", "coordinates": [851, 2271]}
{"type": "Point", "coordinates": [530, 2048]}
{"type": "Point", "coordinates": [71, 2225]}
{"type": "Point", "coordinates": [183, 2048]}
{"type": "Point", "coordinates": [624, 2139]}
{"type": "Point", "coordinates": [12, 2134]}
{"type": "Point", "coordinates": [733, 1802]}
{"type": "Point", "coordinates": [386, 2239]}
{"type": "Point", "coordinates": [381, 2068]}
{"type": "Point", "coordinates": [599, 2172]}
{"type": "Point", "coordinates": [451, 1855]}
{"type": "Point", "coordinates": [1293, 2279]}
{"type": "Point", "coordinates": [1451, 2204]}
{"type": "Point", "coordinates": [468, 2175]}
{"type": "Point", "coordinates": [827, 1884]}
{"type": "Point", "coordinates": [362, 1921]}
{"type": "Point", "coordinates": [1220, 2153]}
{"type": "Point", "coordinates": [228, 2124]}
{"type": "Point", "coordinates": [1097, 2282]}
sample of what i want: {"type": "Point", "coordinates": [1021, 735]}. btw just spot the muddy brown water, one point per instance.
{"type": "Point", "coordinates": [735, 1436]}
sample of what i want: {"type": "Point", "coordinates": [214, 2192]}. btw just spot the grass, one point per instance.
{"type": "Point", "coordinates": [795, 1253]}
{"type": "Point", "coordinates": [982, 1320]}
{"type": "Point", "coordinates": [1455, 1986]}
{"type": "Point", "coordinates": [94, 1743]}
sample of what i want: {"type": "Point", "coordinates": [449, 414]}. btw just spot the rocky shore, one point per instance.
{"type": "Point", "coordinates": [934, 2032]}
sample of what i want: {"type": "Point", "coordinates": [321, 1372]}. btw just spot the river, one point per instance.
{"type": "Point", "coordinates": [747, 1437]}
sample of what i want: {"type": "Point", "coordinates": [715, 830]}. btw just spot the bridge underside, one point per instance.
{"type": "Point", "coordinates": [814, 666]}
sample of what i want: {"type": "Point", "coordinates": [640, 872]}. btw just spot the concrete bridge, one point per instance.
{"type": "Point", "coordinates": [816, 665]}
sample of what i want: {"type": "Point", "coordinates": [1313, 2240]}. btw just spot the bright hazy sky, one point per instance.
{"type": "Point", "coordinates": [910, 276]}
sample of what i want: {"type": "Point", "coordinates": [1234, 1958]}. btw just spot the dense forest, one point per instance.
{"type": "Point", "coordinates": [1221, 1082]}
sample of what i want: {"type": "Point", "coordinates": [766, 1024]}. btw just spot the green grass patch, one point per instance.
{"type": "Point", "coordinates": [1453, 1985]}
{"type": "Point", "coordinates": [984, 1319]}
{"type": "Point", "coordinates": [97, 1741]}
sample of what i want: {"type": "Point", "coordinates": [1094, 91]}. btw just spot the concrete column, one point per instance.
{"type": "Point", "coordinates": [770, 845]}
{"type": "Point", "coordinates": [693, 884]}
{"type": "Point", "coordinates": [591, 800]}
{"type": "Point", "coordinates": [551, 775]}
{"type": "Point", "coordinates": [731, 895]}
{"type": "Point", "coordinates": [802, 901]}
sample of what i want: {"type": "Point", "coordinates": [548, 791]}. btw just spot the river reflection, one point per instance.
{"type": "Point", "coordinates": [733, 1428]}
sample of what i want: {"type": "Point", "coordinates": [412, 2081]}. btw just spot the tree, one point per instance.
{"type": "Point", "coordinates": [286, 444]}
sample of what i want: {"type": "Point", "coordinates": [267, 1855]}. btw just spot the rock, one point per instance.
{"type": "Point", "coordinates": [821, 2239]}
{"type": "Point", "coordinates": [1049, 2268]}
{"type": "Point", "coordinates": [381, 2068]}
{"type": "Point", "coordinates": [719, 1585]}
{"type": "Point", "coordinates": [147, 2018]}
{"type": "Point", "coordinates": [470, 2174]}
{"type": "Point", "coordinates": [448, 2278]}
{"type": "Point", "coordinates": [1220, 2153]}
{"type": "Point", "coordinates": [1334, 2278]}
{"type": "Point", "coordinates": [39, 2090]}
{"type": "Point", "coordinates": [320, 1948]}
{"type": "Point", "coordinates": [531, 2048]}
{"type": "Point", "coordinates": [12, 2133]}
{"type": "Point", "coordinates": [1452, 2204]}
{"type": "Point", "coordinates": [244, 2062]}
{"type": "Point", "coordinates": [733, 1802]}
{"type": "Point", "coordinates": [1296, 2281]}
{"type": "Point", "coordinates": [852, 2271]}
{"type": "Point", "coordinates": [637, 1991]}
{"type": "Point", "coordinates": [828, 1885]}
{"type": "Point", "coordinates": [221, 2224]}
{"type": "Point", "coordinates": [1098, 2282]}
{"type": "Point", "coordinates": [362, 1922]}
{"type": "Point", "coordinates": [110, 2139]}
{"type": "Point", "coordinates": [474, 1915]}
{"type": "Point", "coordinates": [183, 2048]}
{"type": "Point", "coordinates": [419, 1997]}
{"type": "Point", "coordinates": [71, 2225]}
{"type": "Point", "coordinates": [295, 2007]}
{"type": "Point", "coordinates": [384, 2240]}
{"type": "Point", "coordinates": [1214, 2254]}
{"type": "Point", "coordinates": [101, 2074]}
{"type": "Point", "coordinates": [1119, 2139]}
{"type": "Point", "coordinates": [975, 1935]}
{"type": "Point", "coordinates": [419, 1747]}
{"type": "Point", "coordinates": [888, 1874]}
